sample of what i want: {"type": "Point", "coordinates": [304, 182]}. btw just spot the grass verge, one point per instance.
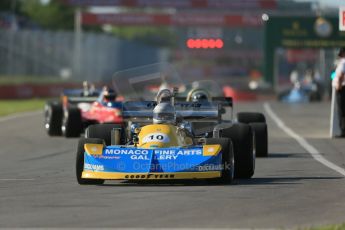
{"type": "Point", "coordinates": [8, 107]}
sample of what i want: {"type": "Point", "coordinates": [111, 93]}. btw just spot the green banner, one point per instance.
{"type": "Point", "coordinates": [299, 33]}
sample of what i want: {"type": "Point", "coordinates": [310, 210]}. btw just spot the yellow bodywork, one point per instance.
{"type": "Point", "coordinates": [94, 149]}
{"type": "Point", "coordinates": [151, 176]}
{"type": "Point", "coordinates": [211, 150]}
{"type": "Point", "coordinates": [162, 136]}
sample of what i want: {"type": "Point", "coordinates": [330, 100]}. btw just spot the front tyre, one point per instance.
{"type": "Point", "coordinates": [228, 166]}
{"type": "Point", "coordinates": [242, 139]}
{"type": "Point", "coordinates": [80, 161]}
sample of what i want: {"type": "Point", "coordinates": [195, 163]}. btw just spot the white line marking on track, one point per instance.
{"type": "Point", "coordinates": [308, 147]}
{"type": "Point", "coordinates": [20, 115]}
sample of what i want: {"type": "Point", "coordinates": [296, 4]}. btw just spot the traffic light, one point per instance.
{"type": "Point", "coordinates": [204, 43]}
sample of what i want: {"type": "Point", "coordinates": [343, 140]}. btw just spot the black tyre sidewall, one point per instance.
{"type": "Point", "coordinates": [261, 139]}
{"type": "Point", "coordinates": [53, 118]}
{"type": "Point", "coordinates": [242, 139]}
{"type": "Point", "coordinates": [227, 158]}
{"type": "Point", "coordinates": [72, 123]}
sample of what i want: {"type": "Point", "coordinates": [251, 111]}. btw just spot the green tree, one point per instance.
{"type": "Point", "coordinates": [53, 15]}
{"type": "Point", "coordinates": [10, 5]}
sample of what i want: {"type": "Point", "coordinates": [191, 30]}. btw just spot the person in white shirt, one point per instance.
{"type": "Point", "coordinates": [338, 83]}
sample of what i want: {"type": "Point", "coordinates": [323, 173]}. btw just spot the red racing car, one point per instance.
{"type": "Point", "coordinates": [71, 116]}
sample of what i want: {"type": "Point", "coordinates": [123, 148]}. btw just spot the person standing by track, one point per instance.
{"type": "Point", "coordinates": [339, 84]}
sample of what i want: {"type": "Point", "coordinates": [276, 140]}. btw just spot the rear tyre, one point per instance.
{"type": "Point", "coordinates": [246, 117]}
{"type": "Point", "coordinates": [103, 131]}
{"type": "Point", "coordinates": [228, 165]}
{"type": "Point", "coordinates": [261, 139]}
{"type": "Point", "coordinates": [72, 125]}
{"type": "Point", "coordinates": [80, 161]}
{"type": "Point", "coordinates": [242, 139]}
{"type": "Point", "coordinates": [53, 118]}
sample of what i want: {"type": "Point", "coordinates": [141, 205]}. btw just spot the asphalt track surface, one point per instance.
{"type": "Point", "coordinates": [290, 188]}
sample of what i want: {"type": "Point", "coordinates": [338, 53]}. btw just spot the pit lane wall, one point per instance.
{"type": "Point", "coordinates": [24, 91]}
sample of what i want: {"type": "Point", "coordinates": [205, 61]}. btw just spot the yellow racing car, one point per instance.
{"type": "Point", "coordinates": [158, 142]}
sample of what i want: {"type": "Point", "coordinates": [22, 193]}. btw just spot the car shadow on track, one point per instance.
{"type": "Point", "coordinates": [165, 183]}
{"type": "Point", "coordinates": [252, 181]}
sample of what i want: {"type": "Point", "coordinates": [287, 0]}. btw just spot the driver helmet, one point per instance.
{"type": "Point", "coordinates": [164, 113]}
{"type": "Point", "coordinates": [108, 94]}
{"type": "Point", "coordinates": [199, 96]}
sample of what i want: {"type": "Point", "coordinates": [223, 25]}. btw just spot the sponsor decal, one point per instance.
{"type": "Point", "coordinates": [209, 167]}
{"type": "Point", "coordinates": [107, 157]}
{"type": "Point", "coordinates": [172, 154]}
{"type": "Point", "coordinates": [94, 167]}
{"type": "Point", "coordinates": [150, 176]}
{"type": "Point", "coordinates": [159, 154]}
{"type": "Point", "coordinates": [139, 157]}
{"type": "Point", "coordinates": [125, 151]}
{"type": "Point", "coordinates": [135, 154]}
